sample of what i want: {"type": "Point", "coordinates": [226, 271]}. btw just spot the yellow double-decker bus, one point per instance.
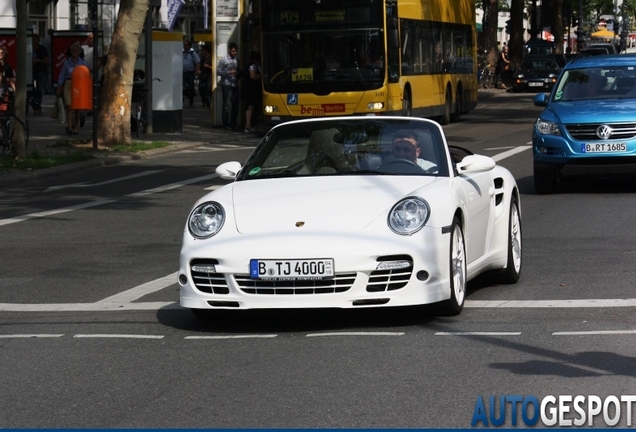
{"type": "Point", "coordinates": [368, 57]}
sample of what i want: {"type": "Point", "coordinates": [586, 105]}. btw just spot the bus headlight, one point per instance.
{"type": "Point", "coordinates": [375, 105]}
{"type": "Point", "coordinates": [271, 109]}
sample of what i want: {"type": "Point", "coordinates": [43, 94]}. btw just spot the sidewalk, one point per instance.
{"type": "Point", "coordinates": [46, 131]}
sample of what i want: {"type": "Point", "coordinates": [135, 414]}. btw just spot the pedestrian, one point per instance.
{"type": "Point", "coordinates": [205, 77]}
{"type": "Point", "coordinates": [5, 69]}
{"type": "Point", "coordinates": [252, 92]}
{"type": "Point", "coordinates": [191, 68]}
{"type": "Point", "coordinates": [89, 51]}
{"type": "Point", "coordinates": [64, 86]}
{"type": "Point", "coordinates": [503, 67]}
{"type": "Point", "coordinates": [40, 66]}
{"type": "Point", "coordinates": [227, 68]}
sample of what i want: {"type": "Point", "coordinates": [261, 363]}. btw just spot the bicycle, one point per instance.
{"type": "Point", "coordinates": [487, 77]}
{"type": "Point", "coordinates": [139, 97]}
{"type": "Point", "coordinates": [7, 126]}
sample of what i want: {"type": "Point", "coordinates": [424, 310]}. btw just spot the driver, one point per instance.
{"type": "Point", "coordinates": [406, 145]}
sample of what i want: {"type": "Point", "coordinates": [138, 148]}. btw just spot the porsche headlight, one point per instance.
{"type": "Point", "coordinates": [547, 128]}
{"type": "Point", "coordinates": [206, 219]}
{"type": "Point", "coordinates": [409, 216]}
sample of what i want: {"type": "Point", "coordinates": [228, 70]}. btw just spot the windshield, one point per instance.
{"type": "Point", "coordinates": [324, 61]}
{"type": "Point", "coordinates": [543, 65]}
{"type": "Point", "coordinates": [596, 83]}
{"type": "Point", "coordinates": [351, 146]}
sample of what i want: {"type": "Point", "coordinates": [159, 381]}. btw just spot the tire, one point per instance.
{"type": "Point", "coordinates": [511, 273]}
{"type": "Point", "coordinates": [4, 140]}
{"type": "Point", "coordinates": [457, 271]}
{"type": "Point", "coordinates": [407, 107]}
{"type": "Point", "coordinates": [457, 115]}
{"type": "Point", "coordinates": [139, 120]}
{"type": "Point", "coordinates": [545, 180]}
{"type": "Point", "coordinates": [446, 117]}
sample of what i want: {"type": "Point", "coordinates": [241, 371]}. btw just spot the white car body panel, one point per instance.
{"type": "Point", "coordinates": [345, 218]}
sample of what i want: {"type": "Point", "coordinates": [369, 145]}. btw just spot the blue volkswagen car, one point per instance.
{"type": "Point", "coordinates": [588, 126]}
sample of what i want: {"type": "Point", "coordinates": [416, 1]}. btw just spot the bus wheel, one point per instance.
{"type": "Point", "coordinates": [457, 115]}
{"type": "Point", "coordinates": [446, 117]}
{"type": "Point", "coordinates": [406, 104]}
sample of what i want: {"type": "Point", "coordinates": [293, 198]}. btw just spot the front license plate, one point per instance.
{"type": "Point", "coordinates": [604, 148]}
{"type": "Point", "coordinates": [535, 84]}
{"type": "Point", "coordinates": [292, 269]}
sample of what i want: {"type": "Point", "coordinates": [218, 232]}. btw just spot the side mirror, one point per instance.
{"type": "Point", "coordinates": [228, 170]}
{"type": "Point", "coordinates": [541, 99]}
{"type": "Point", "coordinates": [475, 163]}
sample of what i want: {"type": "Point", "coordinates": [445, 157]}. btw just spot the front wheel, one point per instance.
{"type": "Point", "coordinates": [512, 271]}
{"type": "Point", "coordinates": [406, 105]}
{"type": "Point", "coordinates": [457, 266]}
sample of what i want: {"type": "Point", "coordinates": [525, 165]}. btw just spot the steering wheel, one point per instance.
{"type": "Point", "coordinates": [400, 166]}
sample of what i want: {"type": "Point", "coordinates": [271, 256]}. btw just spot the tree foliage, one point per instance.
{"type": "Point", "coordinates": [116, 93]}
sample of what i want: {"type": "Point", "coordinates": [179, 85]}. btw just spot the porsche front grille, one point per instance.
{"type": "Point", "coordinates": [208, 282]}
{"type": "Point", "coordinates": [340, 283]}
{"type": "Point", "coordinates": [587, 132]}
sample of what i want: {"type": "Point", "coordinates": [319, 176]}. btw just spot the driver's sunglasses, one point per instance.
{"type": "Point", "coordinates": [404, 148]}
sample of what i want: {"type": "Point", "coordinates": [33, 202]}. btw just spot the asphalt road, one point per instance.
{"type": "Point", "coordinates": [91, 334]}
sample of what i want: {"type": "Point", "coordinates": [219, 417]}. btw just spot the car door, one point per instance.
{"type": "Point", "coordinates": [477, 192]}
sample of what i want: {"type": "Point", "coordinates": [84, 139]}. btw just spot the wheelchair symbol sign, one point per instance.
{"type": "Point", "coordinates": [292, 99]}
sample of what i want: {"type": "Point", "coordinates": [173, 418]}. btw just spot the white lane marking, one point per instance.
{"type": "Point", "coordinates": [122, 336]}
{"type": "Point", "coordinates": [509, 153]}
{"type": "Point", "coordinates": [589, 303]}
{"type": "Point", "coordinates": [11, 336]}
{"type": "Point", "coordinates": [102, 202]}
{"type": "Point", "coordinates": [477, 333]}
{"type": "Point", "coordinates": [53, 212]}
{"type": "Point", "coordinates": [356, 334]}
{"type": "Point", "coordinates": [87, 307]}
{"type": "Point", "coordinates": [85, 184]}
{"type": "Point", "coordinates": [592, 332]}
{"type": "Point", "coordinates": [232, 337]}
{"type": "Point", "coordinates": [172, 185]}
{"type": "Point", "coordinates": [137, 292]}
{"type": "Point", "coordinates": [214, 187]}
{"type": "Point", "coordinates": [220, 147]}
{"type": "Point", "coordinates": [499, 148]}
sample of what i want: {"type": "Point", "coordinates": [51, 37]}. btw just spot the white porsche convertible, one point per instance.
{"type": "Point", "coordinates": [351, 212]}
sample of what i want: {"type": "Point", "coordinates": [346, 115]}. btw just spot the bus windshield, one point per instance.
{"type": "Point", "coordinates": [340, 61]}
{"type": "Point", "coordinates": [324, 47]}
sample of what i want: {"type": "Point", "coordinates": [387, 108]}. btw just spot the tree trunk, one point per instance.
{"type": "Point", "coordinates": [557, 29]}
{"type": "Point", "coordinates": [516, 32]}
{"type": "Point", "coordinates": [116, 94]}
{"type": "Point", "coordinates": [489, 28]}
{"type": "Point", "coordinates": [21, 75]}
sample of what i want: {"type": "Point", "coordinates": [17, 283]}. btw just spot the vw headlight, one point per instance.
{"type": "Point", "coordinates": [547, 128]}
{"type": "Point", "coordinates": [206, 219]}
{"type": "Point", "coordinates": [409, 216]}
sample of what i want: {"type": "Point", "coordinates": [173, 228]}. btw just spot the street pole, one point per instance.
{"type": "Point", "coordinates": [95, 65]}
{"type": "Point", "coordinates": [148, 67]}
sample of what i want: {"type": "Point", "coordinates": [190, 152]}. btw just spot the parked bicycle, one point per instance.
{"type": "Point", "coordinates": [487, 77]}
{"type": "Point", "coordinates": [139, 98]}
{"type": "Point", "coordinates": [7, 122]}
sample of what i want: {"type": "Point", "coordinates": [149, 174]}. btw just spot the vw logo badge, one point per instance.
{"type": "Point", "coordinates": [604, 132]}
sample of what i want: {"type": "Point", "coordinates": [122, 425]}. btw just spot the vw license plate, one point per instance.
{"type": "Point", "coordinates": [604, 148]}
{"type": "Point", "coordinates": [291, 269]}
{"type": "Point", "coordinates": [535, 84]}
